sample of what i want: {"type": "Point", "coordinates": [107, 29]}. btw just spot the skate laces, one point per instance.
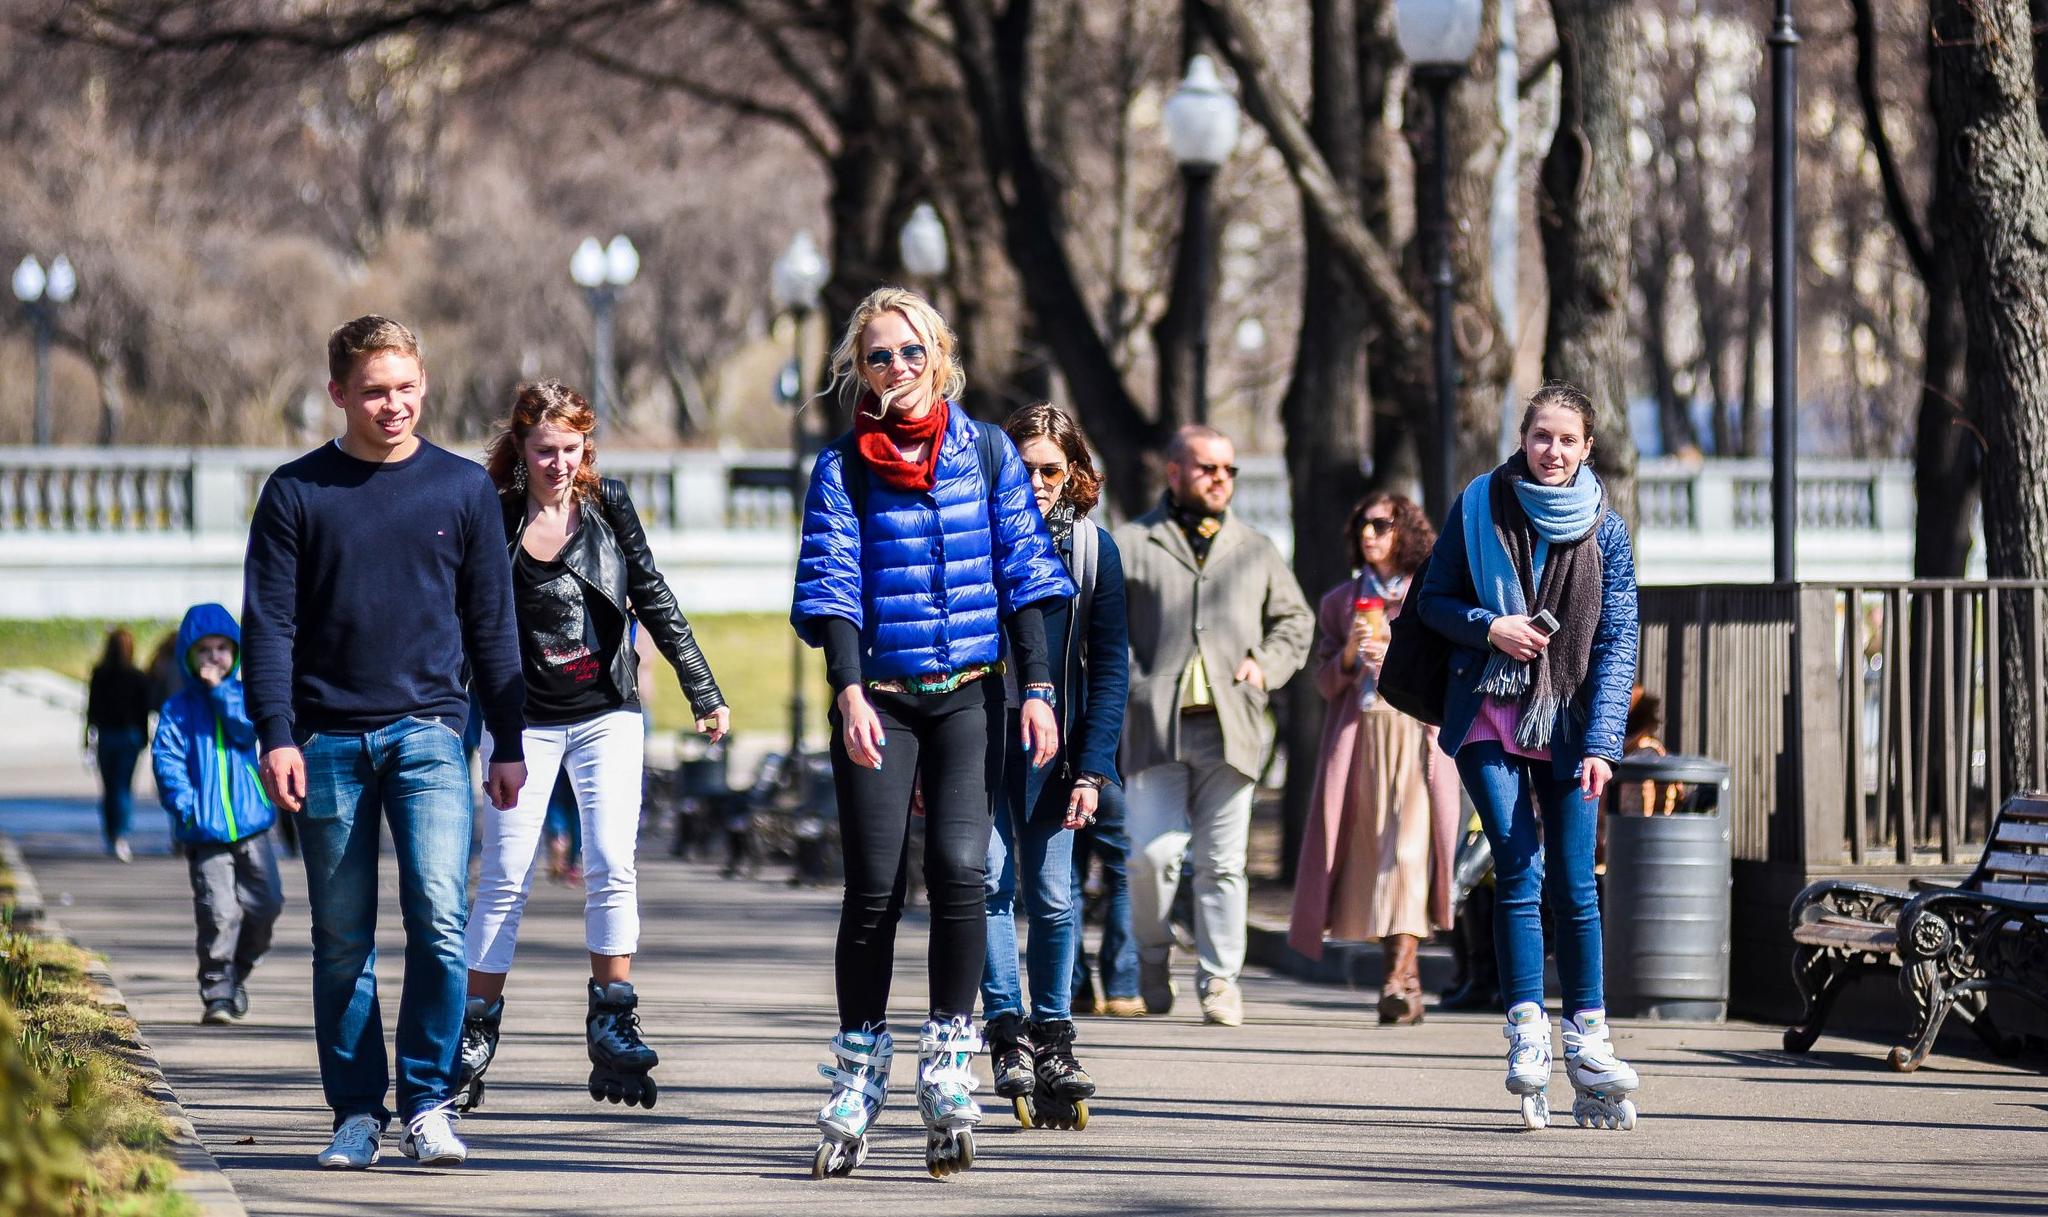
{"type": "Point", "coordinates": [444, 1111]}
{"type": "Point", "coordinates": [947, 1051]}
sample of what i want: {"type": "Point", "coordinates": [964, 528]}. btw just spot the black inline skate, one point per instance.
{"type": "Point", "coordinates": [1059, 1099]}
{"type": "Point", "coordinates": [1011, 1060]}
{"type": "Point", "coordinates": [619, 1059]}
{"type": "Point", "coordinates": [480, 1021]}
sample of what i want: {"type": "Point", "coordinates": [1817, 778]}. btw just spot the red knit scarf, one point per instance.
{"type": "Point", "coordinates": [882, 441]}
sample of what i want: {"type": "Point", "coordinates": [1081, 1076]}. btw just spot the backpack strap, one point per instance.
{"type": "Point", "coordinates": [1087, 555]}
{"type": "Point", "coordinates": [853, 473]}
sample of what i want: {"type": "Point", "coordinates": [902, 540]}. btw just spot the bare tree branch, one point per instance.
{"type": "Point", "coordinates": [1406, 323]}
{"type": "Point", "coordinates": [1912, 232]}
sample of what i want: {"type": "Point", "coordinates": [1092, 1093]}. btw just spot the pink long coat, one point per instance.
{"type": "Point", "coordinates": [1331, 808]}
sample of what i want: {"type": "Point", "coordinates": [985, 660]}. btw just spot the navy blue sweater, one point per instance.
{"type": "Point", "coordinates": [365, 587]}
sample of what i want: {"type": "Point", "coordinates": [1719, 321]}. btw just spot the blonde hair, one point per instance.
{"type": "Point", "coordinates": [942, 368]}
{"type": "Point", "coordinates": [369, 335]}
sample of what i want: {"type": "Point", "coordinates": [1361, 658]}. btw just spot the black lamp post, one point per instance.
{"type": "Point", "coordinates": [1784, 296]}
{"type": "Point", "coordinates": [41, 294]}
{"type": "Point", "coordinates": [1201, 129]}
{"type": "Point", "coordinates": [601, 271]}
{"type": "Point", "coordinates": [1438, 38]}
{"type": "Point", "coordinates": [794, 282]}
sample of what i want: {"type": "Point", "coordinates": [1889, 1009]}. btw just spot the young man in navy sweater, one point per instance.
{"type": "Point", "coordinates": [376, 567]}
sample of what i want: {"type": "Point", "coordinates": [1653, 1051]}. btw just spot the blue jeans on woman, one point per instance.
{"type": "Point", "coordinates": [118, 749]}
{"type": "Point", "coordinates": [1110, 841]}
{"type": "Point", "coordinates": [1533, 860]}
{"type": "Point", "coordinates": [1033, 854]}
{"type": "Point", "coordinates": [414, 774]}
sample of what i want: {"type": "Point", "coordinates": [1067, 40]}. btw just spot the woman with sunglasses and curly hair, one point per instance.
{"type": "Point", "coordinates": [1041, 812]}
{"type": "Point", "coordinates": [922, 548]}
{"type": "Point", "coordinates": [1382, 830]}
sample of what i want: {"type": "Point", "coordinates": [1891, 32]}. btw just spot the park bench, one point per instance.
{"type": "Point", "coordinates": [1953, 946]}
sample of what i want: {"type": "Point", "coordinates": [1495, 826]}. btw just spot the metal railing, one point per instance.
{"type": "Point", "coordinates": [1867, 724]}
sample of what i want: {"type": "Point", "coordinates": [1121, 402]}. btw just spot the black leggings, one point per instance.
{"type": "Point", "coordinates": [955, 739]}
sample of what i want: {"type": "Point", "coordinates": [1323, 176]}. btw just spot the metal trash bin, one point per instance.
{"type": "Point", "coordinates": [1665, 903]}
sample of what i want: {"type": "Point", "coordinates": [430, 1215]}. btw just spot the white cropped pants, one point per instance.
{"type": "Point", "coordinates": [604, 757]}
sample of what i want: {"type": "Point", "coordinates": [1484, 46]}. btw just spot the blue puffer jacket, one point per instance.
{"type": "Point", "coordinates": [205, 750]}
{"type": "Point", "coordinates": [924, 576]}
{"type": "Point", "coordinates": [1593, 724]}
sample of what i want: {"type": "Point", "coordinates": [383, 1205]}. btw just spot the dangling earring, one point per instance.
{"type": "Point", "coordinates": [519, 476]}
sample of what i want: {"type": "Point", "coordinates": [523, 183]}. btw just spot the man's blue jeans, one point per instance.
{"type": "Point", "coordinates": [413, 772]}
{"type": "Point", "coordinates": [1032, 854]}
{"type": "Point", "coordinates": [1110, 841]}
{"type": "Point", "coordinates": [1533, 860]}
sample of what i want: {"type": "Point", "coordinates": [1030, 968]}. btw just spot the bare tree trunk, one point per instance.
{"type": "Point", "coordinates": [1325, 408]}
{"type": "Point", "coordinates": [1993, 148]}
{"type": "Point", "coordinates": [1653, 276]}
{"type": "Point", "coordinates": [1586, 206]}
{"type": "Point", "coordinates": [1947, 457]}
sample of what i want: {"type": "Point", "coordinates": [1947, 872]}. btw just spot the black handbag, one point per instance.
{"type": "Point", "coordinates": [1416, 674]}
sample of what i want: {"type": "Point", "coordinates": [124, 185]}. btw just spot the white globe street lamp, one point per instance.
{"type": "Point", "coordinates": [1201, 129]}
{"type": "Point", "coordinates": [41, 294]}
{"type": "Point", "coordinates": [922, 243]}
{"type": "Point", "coordinates": [1438, 38]}
{"type": "Point", "coordinates": [601, 271]}
{"type": "Point", "coordinates": [795, 281]}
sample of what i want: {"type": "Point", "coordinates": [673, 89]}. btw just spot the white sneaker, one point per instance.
{"type": "Point", "coordinates": [121, 851]}
{"type": "Point", "coordinates": [430, 1137]}
{"type": "Point", "coordinates": [354, 1146]}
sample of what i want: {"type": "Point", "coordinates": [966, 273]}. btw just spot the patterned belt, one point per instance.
{"type": "Point", "coordinates": [937, 682]}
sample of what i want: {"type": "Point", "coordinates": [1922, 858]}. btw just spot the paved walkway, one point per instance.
{"type": "Point", "coordinates": [1309, 1108]}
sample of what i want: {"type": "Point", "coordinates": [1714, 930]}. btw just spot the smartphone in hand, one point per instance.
{"type": "Point", "coordinates": [1545, 622]}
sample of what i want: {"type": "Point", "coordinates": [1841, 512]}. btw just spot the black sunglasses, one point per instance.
{"type": "Point", "coordinates": [1214, 471]}
{"type": "Point", "coordinates": [1377, 525]}
{"type": "Point", "coordinates": [881, 359]}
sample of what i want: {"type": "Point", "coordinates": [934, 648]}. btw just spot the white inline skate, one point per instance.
{"type": "Point", "coordinates": [945, 1094]}
{"type": "Point", "coordinates": [1601, 1082]}
{"type": "Point", "coordinates": [860, 1085]}
{"type": "Point", "coordinates": [1528, 1035]}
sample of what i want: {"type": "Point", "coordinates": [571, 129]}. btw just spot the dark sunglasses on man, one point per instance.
{"type": "Point", "coordinates": [1217, 471]}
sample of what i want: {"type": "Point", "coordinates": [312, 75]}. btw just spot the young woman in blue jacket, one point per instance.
{"type": "Point", "coordinates": [204, 758]}
{"type": "Point", "coordinates": [921, 548]}
{"type": "Point", "coordinates": [1534, 582]}
{"type": "Point", "coordinates": [1040, 810]}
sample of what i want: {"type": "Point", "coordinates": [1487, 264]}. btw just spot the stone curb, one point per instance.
{"type": "Point", "coordinates": [200, 1177]}
{"type": "Point", "coordinates": [28, 898]}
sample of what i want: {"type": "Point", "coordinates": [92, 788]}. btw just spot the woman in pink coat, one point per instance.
{"type": "Point", "coordinates": [1383, 822]}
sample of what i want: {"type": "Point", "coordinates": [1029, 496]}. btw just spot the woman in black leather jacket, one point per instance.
{"type": "Point", "coordinates": [583, 580]}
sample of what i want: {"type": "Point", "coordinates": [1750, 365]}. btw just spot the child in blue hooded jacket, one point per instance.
{"type": "Point", "coordinates": [205, 761]}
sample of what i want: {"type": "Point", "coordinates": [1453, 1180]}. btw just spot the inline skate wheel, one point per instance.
{"type": "Point", "coordinates": [1022, 1106]}
{"type": "Point", "coordinates": [1080, 1115]}
{"type": "Point", "coordinates": [821, 1162]}
{"type": "Point", "coordinates": [1535, 1111]}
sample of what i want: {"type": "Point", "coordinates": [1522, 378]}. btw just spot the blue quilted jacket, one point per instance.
{"type": "Point", "coordinates": [928, 576]}
{"type": "Point", "coordinates": [1594, 721]}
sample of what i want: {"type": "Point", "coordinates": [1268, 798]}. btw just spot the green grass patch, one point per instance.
{"type": "Point", "coordinates": [749, 653]}
{"type": "Point", "coordinates": [72, 645]}
{"type": "Point", "coordinates": [79, 1134]}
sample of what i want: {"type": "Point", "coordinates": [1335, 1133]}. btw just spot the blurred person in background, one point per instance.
{"type": "Point", "coordinates": [118, 703]}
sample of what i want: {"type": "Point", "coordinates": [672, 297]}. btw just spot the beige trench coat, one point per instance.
{"type": "Point", "coordinates": [1242, 602]}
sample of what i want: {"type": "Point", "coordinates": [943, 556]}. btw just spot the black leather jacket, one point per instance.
{"type": "Point", "coordinates": [609, 553]}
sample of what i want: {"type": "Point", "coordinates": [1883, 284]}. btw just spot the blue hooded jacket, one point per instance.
{"type": "Point", "coordinates": [927, 576]}
{"type": "Point", "coordinates": [205, 749]}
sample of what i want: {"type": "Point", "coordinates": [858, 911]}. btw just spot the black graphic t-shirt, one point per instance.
{"type": "Point", "coordinates": [568, 678]}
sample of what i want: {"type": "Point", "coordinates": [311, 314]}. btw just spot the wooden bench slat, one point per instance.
{"type": "Point", "coordinates": [2032, 892]}
{"type": "Point", "coordinates": [1845, 933]}
{"type": "Point", "coordinates": [2010, 833]}
{"type": "Point", "coordinates": [2007, 862]}
{"type": "Point", "coordinates": [2026, 807]}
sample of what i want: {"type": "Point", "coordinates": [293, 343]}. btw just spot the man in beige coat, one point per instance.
{"type": "Point", "coordinates": [1217, 623]}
